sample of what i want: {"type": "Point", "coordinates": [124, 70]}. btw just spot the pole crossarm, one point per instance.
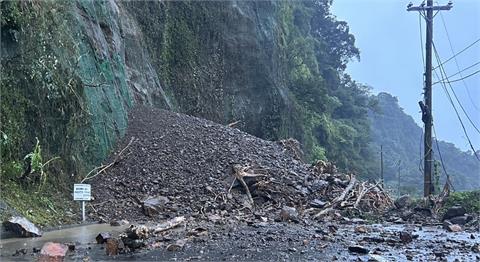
{"type": "Point", "coordinates": [434, 8]}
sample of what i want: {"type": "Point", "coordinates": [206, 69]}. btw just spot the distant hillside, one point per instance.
{"type": "Point", "coordinates": [402, 141]}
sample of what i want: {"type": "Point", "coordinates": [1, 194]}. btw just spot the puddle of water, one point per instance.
{"type": "Point", "coordinates": [81, 234]}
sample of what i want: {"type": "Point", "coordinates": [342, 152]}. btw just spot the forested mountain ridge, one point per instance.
{"type": "Point", "coordinates": [402, 143]}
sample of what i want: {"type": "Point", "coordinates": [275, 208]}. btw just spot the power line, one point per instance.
{"type": "Point", "coordinates": [460, 72]}
{"type": "Point", "coordinates": [442, 71]}
{"type": "Point", "coordinates": [455, 55]}
{"type": "Point", "coordinates": [453, 91]}
{"type": "Point", "coordinates": [459, 79]}
{"type": "Point", "coordinates": [421, 40]}
{"type": "Point", "coordinates": [456, 62]}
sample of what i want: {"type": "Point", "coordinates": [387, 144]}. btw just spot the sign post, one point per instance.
{"type": "Point", "coordinates": [82, 192]}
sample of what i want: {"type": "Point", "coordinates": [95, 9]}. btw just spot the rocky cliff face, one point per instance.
{"type": "Point", "coordinates": [218, 60]}
{"type": "Point", "coordinates": [72, 69]}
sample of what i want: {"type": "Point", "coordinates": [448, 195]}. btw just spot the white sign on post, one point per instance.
{"type": "Point", "coordinates": [82, 192]}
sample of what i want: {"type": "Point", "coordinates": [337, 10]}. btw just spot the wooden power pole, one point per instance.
{"type": "Point", "coordinates": [381, 167]}
{"type": "Point", "coordinates": [426, 105]}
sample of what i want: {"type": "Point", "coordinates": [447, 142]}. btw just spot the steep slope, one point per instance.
{"type": "Point", "coordinates": [402, 141]}
{"type": "Point", "coordinates": [72, 69]}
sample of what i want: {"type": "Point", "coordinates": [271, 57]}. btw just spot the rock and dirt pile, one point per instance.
{"type": "Point", "coordinates": [171, 164]}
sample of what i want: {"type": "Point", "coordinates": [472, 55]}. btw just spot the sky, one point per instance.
{"type": "Point", "coordinates": [391, 58]}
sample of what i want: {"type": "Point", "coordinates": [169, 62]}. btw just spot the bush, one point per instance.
{"type": "Point", "coordinates": [470, 200]}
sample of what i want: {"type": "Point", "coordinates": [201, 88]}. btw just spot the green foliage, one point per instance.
{"type": "Point", "coordinates": [318, 153]}
{"type": "Point", "coordinates": [37, 166]}
{"type": "Point", "coordinates": [470, 200]}
{"type": "Point", "coordinates": [35, 157]}
{"type": "Point", "coordinates": [317, 48]}
{"type": "Point", "coordinates": [41, 101]}
{"type": "Point", "coordinates": [46, 207]}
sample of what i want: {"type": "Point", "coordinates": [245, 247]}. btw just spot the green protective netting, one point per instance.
{"type": "Point", "coordinates": [102, 72]}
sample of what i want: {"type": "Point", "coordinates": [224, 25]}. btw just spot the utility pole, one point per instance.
{"type": "Point", "coordinates": [426, 105]}
{"type": "Point", "coordinates": [381, 166]}
{"type": "Point", "coordinates": [398, 187]}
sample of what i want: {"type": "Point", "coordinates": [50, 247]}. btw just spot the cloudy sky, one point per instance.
{"type": "Point", "coordinates": [391, 58]}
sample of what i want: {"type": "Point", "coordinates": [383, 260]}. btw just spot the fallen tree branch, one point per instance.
{"type": "Point", "coordinates": [234, 123]}
{"type": "Point", "coordinates": [240, 172]}
{"type": "Point", "coordinates": [105, 167]}
{"type": "Point", "coordinates": [363, 192]}
{"type": "Point", "coordinates": [169, 224]}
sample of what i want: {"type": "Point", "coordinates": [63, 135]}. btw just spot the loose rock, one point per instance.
{"type": "Point", "coordinates": [53, 252]}
{"type": "Point", "coordinates": [454, 228]}
{"type": "Point", "coordinates": [193, 164]}
{"type": "Point", "coordinates": [289, 214]}
{"type": "Point", "coordinates": [137, 232]}
{"type": "Point", "coordinates": [454, 211]}
{"type": "Point", "coordinates": [113, 246]}
{"type": "Point", "coordinates": [361, 229]}
{"type": "Point", "coordinates": [403, 201]}
{"type": "Point", "coordinates": [461, 220]}
{"type": "Point", "coordinates": [179, 244]}
{"type": "Point", "coordinates": [358, 249]}
{"type": "Point", "coordinates": [71, 246]}
{"type": "Point", "coordinates": [117, 223]}
{"type": "Point", "coordinates": [317, 203]}
{"type": "Point", "coordinates": [153, 206]}
{"type": "Point", "coordinates": [476, 248]}
{"type": "Point", "coordinates": [19, 252]}
{"type": "Point", "coordinates": [406, 237]}
{"type": "Point", "coordinates": [102, 237]}
{"type": "Point", "coordinates": [22, 227]}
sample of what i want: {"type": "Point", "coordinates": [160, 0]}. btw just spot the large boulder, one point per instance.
{"type": "Point", "coordinates": [454, 211]}
{"type": "Point", "coordinates": [53, 252]}
{"type": "Point", "coordinates": [22, 227]}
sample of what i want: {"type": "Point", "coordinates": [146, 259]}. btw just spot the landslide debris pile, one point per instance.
{"type": "Point", "coordinates": [171, 164]}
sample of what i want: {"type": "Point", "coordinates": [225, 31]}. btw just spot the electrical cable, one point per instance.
{"type": "Point", "coordinates": [456, 63]}
{"type": "Point", "coordinates": [465, 69]}
{"type": "Point", "coordinates": [442, 71]}
{"type": "Point", "coordinates": [455, 55]}
{"type": "Point", "coordinates": [460, 79]}
{"type": "Point", "coordinates": [453, 91]}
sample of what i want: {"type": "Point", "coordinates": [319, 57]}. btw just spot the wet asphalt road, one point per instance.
{"type": "Point", "coordinates": [268, 242]}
